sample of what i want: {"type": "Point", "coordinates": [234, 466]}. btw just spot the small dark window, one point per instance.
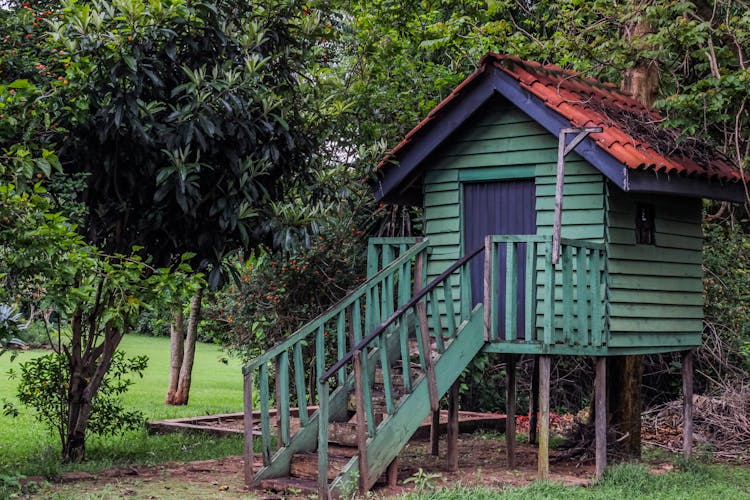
{"type": "Point", "coordinates": [645, 227]}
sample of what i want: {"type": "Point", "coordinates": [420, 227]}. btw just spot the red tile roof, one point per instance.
{"type": "Point", "coordinates": [631, 133]}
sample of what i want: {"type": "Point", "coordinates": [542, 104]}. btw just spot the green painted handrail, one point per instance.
{"type": "Point", "coordinates": [429, 289]}
{"type": "Point", "coordinates": [357, 293]}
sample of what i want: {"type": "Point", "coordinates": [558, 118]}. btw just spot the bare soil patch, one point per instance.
{"type": "Point", "coordinates": [482, 462]}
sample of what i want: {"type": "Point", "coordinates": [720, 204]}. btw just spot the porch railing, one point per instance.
{"type": "Point", "coordinates": [576, 318]}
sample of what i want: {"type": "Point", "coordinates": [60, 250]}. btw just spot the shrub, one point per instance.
{"type": "Point", "coordinates": [44, 386]}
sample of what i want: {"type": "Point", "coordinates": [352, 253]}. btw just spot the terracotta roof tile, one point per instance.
{"type": "Point", "coordinates": [631, 132]}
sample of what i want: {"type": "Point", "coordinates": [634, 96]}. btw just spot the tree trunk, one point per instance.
{"type": "Point", "coordinates": [624, 378]}
{"type": "Point", "coordinates": [183, 384]}
{"type": "Point", "coordinates": [625, 373]}
{"type": "Point", "coordinates": [177, 345]}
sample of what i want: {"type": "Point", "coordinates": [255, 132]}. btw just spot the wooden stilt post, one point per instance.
{"type": "Point", "coordinates": [452, 438]}
{"type": "Point", "coordinates": [393, 473]}
{"type": "Point", "coordinates": [687, 404]}
{"type": "Point", "coordinates": [534, 402]}
{"type": "Point", "coordinates": [510, 413]}
{"type": "Point", "coordinates": [435, 434]}
{"type": "Point", "coordinates": [600, 397]}
{"type": "Point", "coordinates": [545, 362]}
{"type": "Point", "coordinates": [248, 408]}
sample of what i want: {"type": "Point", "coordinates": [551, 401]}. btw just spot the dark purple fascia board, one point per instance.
{"type": "Point", "coordinates": [495, 80]}
{"type": "Point", "coordinates": [429, 140]}
{"type": "Point", "coordinates": [648, 181]}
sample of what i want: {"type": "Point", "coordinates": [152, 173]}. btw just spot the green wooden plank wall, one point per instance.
{"type": "Point", "coordinates": [655, 291]}
{"type": "Point", "coordinates": [502, 142]}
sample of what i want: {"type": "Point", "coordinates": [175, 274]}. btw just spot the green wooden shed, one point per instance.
{"type": "Point", "coordinates": [560, 218]}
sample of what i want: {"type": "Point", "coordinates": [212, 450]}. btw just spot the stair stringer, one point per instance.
{"type": "Point", "coordinates": [396, 430]}
{"type": "Point", "coordinates": [306, 438]}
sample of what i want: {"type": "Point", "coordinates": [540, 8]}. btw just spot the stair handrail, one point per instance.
{"type": "Point", "coordinates": [311, 326]}
{"type": "Point", "coordinates": [419, 295]}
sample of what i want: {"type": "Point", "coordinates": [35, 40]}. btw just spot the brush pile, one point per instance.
{"type": "Point", "coordinates": [721, 424]}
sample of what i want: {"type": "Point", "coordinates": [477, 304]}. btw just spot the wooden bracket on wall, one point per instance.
{"type": "Point", "coordinates": [562, 151]}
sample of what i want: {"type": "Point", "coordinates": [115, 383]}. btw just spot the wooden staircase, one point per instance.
{"type": "Point", "coordinates": [383, 357]}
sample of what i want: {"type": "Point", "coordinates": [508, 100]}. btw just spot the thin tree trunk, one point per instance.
{"type": "Point", "coordinates": [176, 351]}
{"type": "Point", "coordinates": [183, 385]}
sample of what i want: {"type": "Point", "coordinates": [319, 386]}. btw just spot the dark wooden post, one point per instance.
{"type": "Point", "coordinates": [534, 401]}
{"type": "Point", "coordinates": [392, 473]}
{"type": "Point", "coordinates": [687, 404]}
{"type": "Point", "coordinates": [435, 434]}
{"type": "Point", "coordinates": [452, 438]}
{"type": "Point", "coordinates": [510, 413]}
{"type": "Point", "coordinates": [248, 408]}
{"type": "Point", "coordinates": [600, 402]}
{"type": "Point", "coordinates": [545, 362]}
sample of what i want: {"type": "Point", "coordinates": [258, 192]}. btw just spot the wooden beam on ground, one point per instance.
{"type": "Point", "coordinates": [452, 438]}
{"type": "Point", "coordinates": [435, 434]}
{"type": "Point", "coordinates": [545, 362]}
{"type": "Point", "coordinates": [248, 418]}
{"type": "Point", "coordinates": [600, 402]}
{"type": "Point", "coordinates": [534, 402]}
{"type": "Point", "coordinates": [510, 413]}
{"type": "Point", "coordinates": [687, 404]}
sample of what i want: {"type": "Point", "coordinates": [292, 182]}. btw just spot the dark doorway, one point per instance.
{"type": "Point", "coordinates": [506, 207]}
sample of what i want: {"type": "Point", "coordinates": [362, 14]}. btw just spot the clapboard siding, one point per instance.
{"type": "Point", "coordinates": [655, 291]}
{"type": "Point", "coordinates": [504, 143]}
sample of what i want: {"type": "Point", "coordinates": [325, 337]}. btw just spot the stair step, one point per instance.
{"type": "Point", "coordinates": [305, 465]}
{"type": "Point", "coordinates": [377, 397]}
{"type": "Point", "coordinates": [343, 433]}
{"type": "Point", "coordinates": [397, 379]}
{"type": "Point", "coordinates": [291, 485]}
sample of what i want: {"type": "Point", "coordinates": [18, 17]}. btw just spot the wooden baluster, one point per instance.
{"type": "Point", "coordinates": [567, 293]}
{"type": "Point", "coordinates": [265, 418]}
{"type": "Point", "coordinates": [465, 284]}
{"type": "Point", "coordinates": [385, 367]}
{"type": "Point", "coordinates": [283, 402]}
{"type": "Point", "coordinates": [362, 426]}
{"type": "Point", "coordinates": [323, 418]}
{"type": "Point", "coordinates": [494, 293]}
{"type": "Point", "coordinates": [530, 310]}
{"type": "Point", "coordinates": [511, 289]}
{"type": "Point", "coordinates": [341, 343]}
{"type": "Point", "coordinates": [549, 295]}
{"type": "Point", "coordinates": [582, 296]}
{"type": "Point", "coordinates": [489, 251]}
{"type": "Point", "coordinates": [423, 340]}
{"type": "Point", "coordinates": [436, 323]}
{"type": "Point", "coordinates": [299, 382]}
{"type": "Point", "coordinates": [277, 392]}
{"type": "Point", "coordinates": [450, 315]}
{"type": "Point", "coordinates": [386, 306]}
{"type": "Point", "coordinates": [248, 427]}
{"type": "Point", "coordinates": [372, 260]}
{"type": "Point", "coordinates": [597, 316]}
{"type": "Point", "coordinates": [320, 352]}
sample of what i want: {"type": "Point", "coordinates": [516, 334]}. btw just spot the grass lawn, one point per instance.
{"type": "Point", "coordinates": [27, 448]}
{"type": "Point", "coordinates": [621, 482]}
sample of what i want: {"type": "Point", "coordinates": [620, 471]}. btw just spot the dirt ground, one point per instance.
{"type": "Point", "coordinates": [481, 462]}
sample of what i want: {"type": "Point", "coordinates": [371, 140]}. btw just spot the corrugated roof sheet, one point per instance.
{"type": "Point", "coordinates": [631, 133]}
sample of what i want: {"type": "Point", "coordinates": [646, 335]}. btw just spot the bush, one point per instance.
{"type": "Point", "coordinates": [277, 292]}
{"type": "Point", "coordinates": [44, 383]}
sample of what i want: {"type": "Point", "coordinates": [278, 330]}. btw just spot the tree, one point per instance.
{"type": "Point", "coordinates": [97, 298]}
{"type": "Point", "coordinates": [194, 118]}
